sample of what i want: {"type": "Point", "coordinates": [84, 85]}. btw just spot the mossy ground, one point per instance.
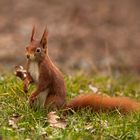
{"type": "Point", "coordinates": [82, 125]}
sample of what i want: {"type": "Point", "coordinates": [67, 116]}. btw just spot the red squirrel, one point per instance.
{"type": "Point", "coordinates": [50, 86]}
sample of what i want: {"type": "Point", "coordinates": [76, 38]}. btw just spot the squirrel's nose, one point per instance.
{"type": "Point", "coordinates": [28, 56]}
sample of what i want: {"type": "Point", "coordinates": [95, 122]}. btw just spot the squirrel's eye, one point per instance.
{"type": "Point", "coordinates": [38, 50]}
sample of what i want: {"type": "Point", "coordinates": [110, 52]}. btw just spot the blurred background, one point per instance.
{"type": "Point", "coordinates": [91, 35]}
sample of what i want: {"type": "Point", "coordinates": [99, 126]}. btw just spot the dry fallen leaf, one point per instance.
{"type": "Point", "coordinates": [55, 121]}
{"type": "Point", "coordinates": [12, 122]}
{"type": "Point", "coordinates": [94, 89]}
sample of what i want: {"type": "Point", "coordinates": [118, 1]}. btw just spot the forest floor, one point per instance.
{"type": "Point", "coordinates": [19, 121]}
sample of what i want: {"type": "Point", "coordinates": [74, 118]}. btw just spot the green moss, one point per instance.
{"type": "Point", "coordinates": [83, 125]}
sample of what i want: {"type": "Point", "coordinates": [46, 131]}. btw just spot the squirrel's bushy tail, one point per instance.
{"type": "Point", "coordinates": [104, 103]}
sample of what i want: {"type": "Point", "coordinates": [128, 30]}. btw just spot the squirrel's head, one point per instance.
{"type": "Point", "coordinates": [37, 50]}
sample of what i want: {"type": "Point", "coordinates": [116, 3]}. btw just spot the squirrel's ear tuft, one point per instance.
{"type": "Point", "coordinates": [43, 41]}
{"type": "Point", "coordinates": [33, 33]}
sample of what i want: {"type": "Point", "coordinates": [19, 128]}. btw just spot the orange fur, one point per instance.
{"type": "Point", "coordinates": [50, 85]}
{"type": "Point", "coordinates": [103, 103]}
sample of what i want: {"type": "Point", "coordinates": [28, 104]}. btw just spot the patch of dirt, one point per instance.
{"type": "Point", "coordinates": [88, 35]}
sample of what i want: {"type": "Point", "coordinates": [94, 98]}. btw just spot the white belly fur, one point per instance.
{"type": "Point", "coordinates": [42, 98]}
{"type": "Point", "coordinates": [34, 72]}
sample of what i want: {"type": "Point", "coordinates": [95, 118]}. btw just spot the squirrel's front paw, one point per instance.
{"type": "Point", "coordinates": [20, 72]}
{"type": "Point", "coordinates": [25, 88]}
{"type": "Point", "coordinates": [31, 100]}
